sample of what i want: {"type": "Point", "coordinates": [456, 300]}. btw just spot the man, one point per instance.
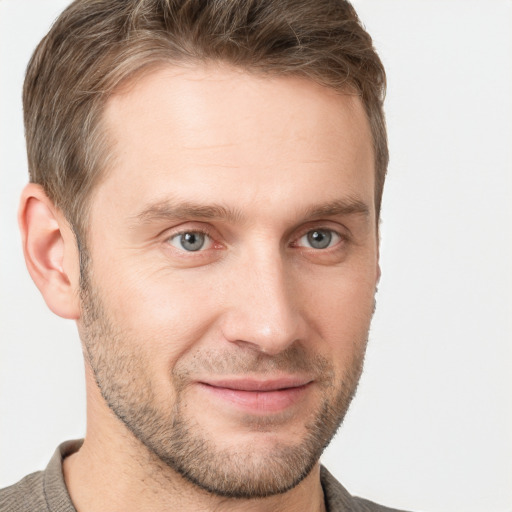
{"type": "Point", "coordinates": [206, 180]}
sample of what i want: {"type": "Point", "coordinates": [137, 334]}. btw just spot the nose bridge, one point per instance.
{"type": "Point", "coordinates": [263, 310]}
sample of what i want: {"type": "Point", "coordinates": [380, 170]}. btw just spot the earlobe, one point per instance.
{"type": "Point", "coordinates": [50, 251]}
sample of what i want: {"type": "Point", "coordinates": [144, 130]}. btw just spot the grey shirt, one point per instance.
{"type": "Point", "coordinates": [45, 491]}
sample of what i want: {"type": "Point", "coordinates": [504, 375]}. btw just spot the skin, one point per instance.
{"type": "Point", "coordinates": [256, 164]}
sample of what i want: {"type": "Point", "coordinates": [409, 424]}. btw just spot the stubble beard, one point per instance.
{"type": "Point", "coordinates": [121, 372]}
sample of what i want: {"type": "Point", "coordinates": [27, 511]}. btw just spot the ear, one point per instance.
{"type": "Point", "coordinates": [378, 271]}
{"type": "Point", "coordinates": [51, 252]}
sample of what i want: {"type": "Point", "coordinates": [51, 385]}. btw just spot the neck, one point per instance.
{"type": "Point", "coordinates": [108, 480]}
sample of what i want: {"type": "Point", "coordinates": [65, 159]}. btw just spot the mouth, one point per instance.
{"type": "Point", "coordinates": [261, 396]}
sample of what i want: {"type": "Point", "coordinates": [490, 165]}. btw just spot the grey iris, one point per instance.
{"type": "Point", "coordinates": [192, 241]}
{"type": "Point", "coordinates": [319, 239]}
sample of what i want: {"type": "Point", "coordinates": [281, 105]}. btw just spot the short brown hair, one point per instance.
{"type": "Point", "coordinates": [96, 44]}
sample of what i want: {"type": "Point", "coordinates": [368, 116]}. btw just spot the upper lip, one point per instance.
{"type": "Point", "coordinates": [255, 384]}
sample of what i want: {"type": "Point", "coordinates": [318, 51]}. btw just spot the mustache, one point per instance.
{"type": "Point", "coordinates": [296, 359]}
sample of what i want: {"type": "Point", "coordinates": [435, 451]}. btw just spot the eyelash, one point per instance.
{"type": "Point", "coordinates": [333, 234]}
{"type": "Point", "coordinates": [204, 232]}
{"type": "Point", "coordinates": [341, 238]}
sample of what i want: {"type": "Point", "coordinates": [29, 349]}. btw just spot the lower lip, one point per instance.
{"type": "Point", "coordinates": [259, 401]}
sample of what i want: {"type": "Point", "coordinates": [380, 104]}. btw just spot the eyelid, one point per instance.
{"type": "Point", "coordinates": [336, 239]}
{"type": "Point", "coordinates": [208, 240]}
{"type": "Point", "coordinates": [340, 231]}
{"type": "Point", "coordinates": [190, 228]}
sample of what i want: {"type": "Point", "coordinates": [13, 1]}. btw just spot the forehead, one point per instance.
{"type": "Point", "coordinates": [198, 131]}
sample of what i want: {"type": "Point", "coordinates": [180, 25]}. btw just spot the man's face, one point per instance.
{"type": "Point", "coordinates": [233, 263]}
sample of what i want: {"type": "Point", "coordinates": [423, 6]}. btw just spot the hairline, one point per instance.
{"type": "Point", "coordinates": [105, 152]}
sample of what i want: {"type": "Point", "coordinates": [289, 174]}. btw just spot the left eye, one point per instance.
{"type": "Point", "coordinates": [319, 239]}
{"type": "Point", "coordinates": [191, 241]}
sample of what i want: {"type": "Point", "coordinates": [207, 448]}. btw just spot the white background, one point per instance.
{"type": "Point", "coordinates": [431, 427]}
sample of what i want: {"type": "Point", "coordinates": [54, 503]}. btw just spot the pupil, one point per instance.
{"type": "Point", "coordinates": [192, 241]}
{"type": "Point", "coordinates": [320, 239]}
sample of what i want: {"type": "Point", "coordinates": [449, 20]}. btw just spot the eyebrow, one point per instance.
{"type": "Point", "coordinates": [349, 206]}
{"type": "Point", "coordinates": [166, 210]}
{"type": "Point", "coordinates": [169, 210]}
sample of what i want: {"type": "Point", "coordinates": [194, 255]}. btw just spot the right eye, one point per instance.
{"type": "Point", "coordinates": [191, 241]}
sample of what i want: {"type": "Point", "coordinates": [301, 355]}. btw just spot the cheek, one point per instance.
{"type": "Point", "coordinates": [340, 307]}
{"type": "Point", "coordinates": [163, 315]}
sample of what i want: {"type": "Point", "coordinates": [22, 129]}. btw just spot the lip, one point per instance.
{"type": "Point", "coordinates": [261, 396]}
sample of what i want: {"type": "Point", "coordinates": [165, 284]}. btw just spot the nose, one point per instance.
{"type": "Point", "coordinates": [263, 305]}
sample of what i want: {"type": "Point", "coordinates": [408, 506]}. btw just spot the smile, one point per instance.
{"type": "Point", "coordinates": [258, 396]}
